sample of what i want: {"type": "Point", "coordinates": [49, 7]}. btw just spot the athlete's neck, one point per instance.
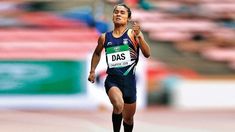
{"type": "Point", "coordinates": [119, 31]}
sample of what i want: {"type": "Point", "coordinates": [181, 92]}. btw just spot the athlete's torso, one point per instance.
{"type": "Point", "coordinates": [122, 54]}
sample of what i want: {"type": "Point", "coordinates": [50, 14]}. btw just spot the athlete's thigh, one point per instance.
{"type": "Point", "coordinates": [129, 110]}
{"type": "Point", "coordinates": [115, 95]}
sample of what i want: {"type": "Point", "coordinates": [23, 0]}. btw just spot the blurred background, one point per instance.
{"type": "Point", "coordinates": [46, 48]}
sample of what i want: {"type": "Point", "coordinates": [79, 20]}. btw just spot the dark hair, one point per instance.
{"type": "Point", "coordinates": [124, 5]}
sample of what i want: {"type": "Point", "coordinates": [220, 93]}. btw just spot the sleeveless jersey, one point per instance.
{"type": "Point", "coordinates": [122, 54]}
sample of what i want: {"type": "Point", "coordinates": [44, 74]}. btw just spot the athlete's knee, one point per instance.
{"type": "Point", "coordinates": [129, 120]}
{"type": "Point", "coordinates": [118, 106]}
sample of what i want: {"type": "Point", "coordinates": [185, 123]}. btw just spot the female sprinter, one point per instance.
{"type": "Point", "coordinates": [122, 54]}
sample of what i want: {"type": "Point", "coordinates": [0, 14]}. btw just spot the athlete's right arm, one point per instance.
{"type": "Point", "coordinates": [96, 58]}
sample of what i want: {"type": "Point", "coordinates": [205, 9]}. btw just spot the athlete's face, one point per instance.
{"type": "Point", "coordinates": [120, 15]}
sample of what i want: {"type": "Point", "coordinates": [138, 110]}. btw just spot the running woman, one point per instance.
{"type": "Point", "coordinates": [122, 54]}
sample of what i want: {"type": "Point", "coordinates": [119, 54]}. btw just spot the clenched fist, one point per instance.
{"type": "Point", "coordinates": [91, 77]}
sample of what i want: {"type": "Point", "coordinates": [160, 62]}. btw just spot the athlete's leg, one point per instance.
{"type": "Point", "coordinates": [128, 116]}
{"type": "Point", "coordinates": [115, 96]}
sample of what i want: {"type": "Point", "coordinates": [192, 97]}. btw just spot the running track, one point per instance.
{"type": "Point", "coordinates": [149, 120]}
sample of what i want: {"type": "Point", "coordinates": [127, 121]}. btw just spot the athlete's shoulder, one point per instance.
{"type": "Point", "coordinates": [130, 33]}
{"type": "Point", "coordinates": [101, 39]}
{"type": "Point", "coordinates": [102, 36]}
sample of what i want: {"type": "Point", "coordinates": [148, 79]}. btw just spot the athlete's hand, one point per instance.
{"type": "Point", "coordinates": [91, 77]}
{"type": "Point", "coordinates": [136, 28]}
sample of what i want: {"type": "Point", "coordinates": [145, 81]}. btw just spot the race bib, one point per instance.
{"type": "Point", "coordinates": [118, 56]}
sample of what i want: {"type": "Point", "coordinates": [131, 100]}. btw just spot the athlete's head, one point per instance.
{"type": "Point", "coordinates": [121, 14]}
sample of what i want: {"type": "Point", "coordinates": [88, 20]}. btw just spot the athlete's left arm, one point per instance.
{"type": "Point", "coordinates": [143, 45]}
{"type": "Point", "coordinates": [139, 37]}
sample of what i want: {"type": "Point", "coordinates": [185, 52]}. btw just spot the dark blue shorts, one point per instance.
{"type": "Point", "coordinates": [127, 85]}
